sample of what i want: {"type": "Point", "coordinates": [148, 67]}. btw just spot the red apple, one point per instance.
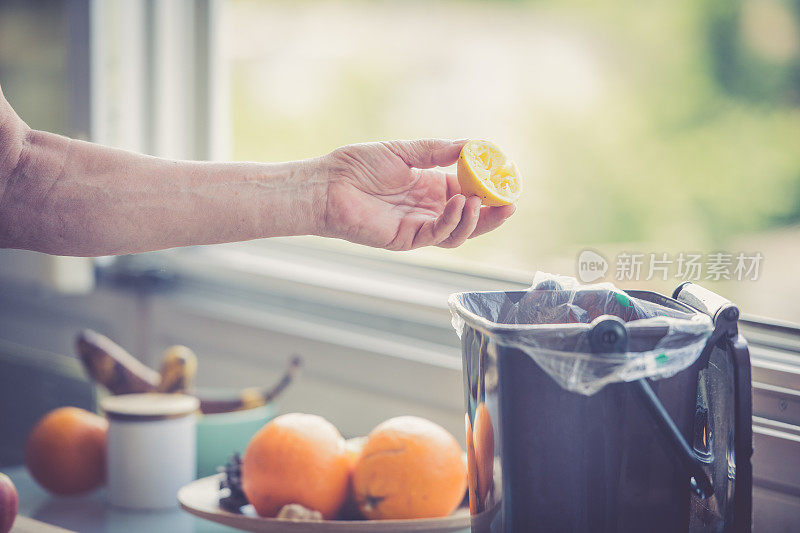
{"type": "Point", "coordinates": [8, 503]}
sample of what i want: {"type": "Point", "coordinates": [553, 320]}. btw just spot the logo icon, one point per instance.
{"type": "Point", "coordinates": [591, 266]}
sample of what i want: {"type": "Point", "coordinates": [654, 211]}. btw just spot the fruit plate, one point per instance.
{"type": "Point", "coordinates": [200, 498]}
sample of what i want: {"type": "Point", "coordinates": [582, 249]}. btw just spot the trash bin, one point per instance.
{"type": "Point", "coordinates": [589, 408]}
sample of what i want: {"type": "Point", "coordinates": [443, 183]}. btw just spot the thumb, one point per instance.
{"type": "Point", "coordinates": [426, 153]}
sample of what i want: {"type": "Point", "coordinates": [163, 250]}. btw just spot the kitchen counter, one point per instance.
{"type": "Point", "coordinates": [91, 513]}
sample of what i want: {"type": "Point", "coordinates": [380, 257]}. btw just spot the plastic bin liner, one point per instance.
{"type": "Point", "coordinates": [551, 322]}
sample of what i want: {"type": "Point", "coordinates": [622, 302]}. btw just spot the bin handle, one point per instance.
{"type": "Point", "coordinates": [699, 481]}
{"type": "Point", "coordinates": [609, 335]}
{"type": "Point", "coordinates": [726, 335]}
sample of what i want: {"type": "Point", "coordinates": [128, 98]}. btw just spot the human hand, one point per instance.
{"type": "Point", "coordinates": [389, 195]}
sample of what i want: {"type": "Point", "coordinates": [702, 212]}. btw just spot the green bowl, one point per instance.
{"type": "Point", "coordinates": [221, 434]}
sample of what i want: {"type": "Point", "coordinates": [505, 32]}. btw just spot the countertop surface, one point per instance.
{"type": "Point", "coordinates": [91, 513]}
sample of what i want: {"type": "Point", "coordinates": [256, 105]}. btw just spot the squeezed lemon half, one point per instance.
{"type": "Point", "coordinates": [485, 171]}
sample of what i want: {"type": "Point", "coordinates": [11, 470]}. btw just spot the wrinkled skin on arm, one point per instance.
{"type": "Point", "coordinates": [68, 197]}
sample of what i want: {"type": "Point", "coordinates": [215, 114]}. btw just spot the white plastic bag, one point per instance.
{"type": "Point", "coordinates": [551, 322]}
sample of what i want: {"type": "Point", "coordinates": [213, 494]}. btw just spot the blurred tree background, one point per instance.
{"type": "Point", "coordinates": [657, 126]}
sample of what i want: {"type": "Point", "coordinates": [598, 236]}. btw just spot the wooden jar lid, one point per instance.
{"type": "Point", "coordinates": [149, 406]}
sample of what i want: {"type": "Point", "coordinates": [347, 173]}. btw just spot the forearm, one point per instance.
{"type": "Point", "coordinates": [76, 198]}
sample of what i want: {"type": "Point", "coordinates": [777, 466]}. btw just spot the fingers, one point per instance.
{"type": "Point", "coordinates": [435, 231]}
{"type": "Point", "coordinates": [462, 218]}
{"type": "Point", "coordinates": [426, 153]}
{"type": "Point", "coordinates": [492, 218]}
{"type": "Point", "coordinates": [448, 221]}
{"type": "Point", "coordinates": [453, 186]}
{"type": "Point", "coordinates": [466, 226]}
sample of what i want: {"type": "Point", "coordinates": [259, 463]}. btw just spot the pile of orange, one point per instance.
{"type": "Point", "coordinates": [407, 467]}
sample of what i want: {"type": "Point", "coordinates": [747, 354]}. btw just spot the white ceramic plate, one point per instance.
{"type": "Point", "coordinates": [201, 498]}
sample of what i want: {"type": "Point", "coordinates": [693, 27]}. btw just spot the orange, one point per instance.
{"type": "Point", "coordinates": [66, 451]}
{"type": "Point", "coordinates": [485, 171]}
{"type": "Point", "coordinates": [296, 458]}
{"type": "Point", "coordinates": [484, 451]}
{"type": "Point", "coordinates": [409, 468]}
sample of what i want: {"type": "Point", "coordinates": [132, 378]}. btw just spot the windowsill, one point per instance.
{"type": "Point", "coordinates": [366, 291]}
{"type": "Point", "coordinates": [362, 289]}
{"type": "Point", "coordinates": [366, 309]}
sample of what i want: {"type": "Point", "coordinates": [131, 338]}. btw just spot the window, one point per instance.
{"type": "Point", "coordinates": [36, 81]}
{"type": "Point", "coordinates": [654, 129]}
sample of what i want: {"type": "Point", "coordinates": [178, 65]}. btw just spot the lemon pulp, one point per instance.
{"type": "Point", "coordinates": [484, 170]}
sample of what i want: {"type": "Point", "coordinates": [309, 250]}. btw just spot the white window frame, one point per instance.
{"type": "Point", "coordinates": [161, 61]}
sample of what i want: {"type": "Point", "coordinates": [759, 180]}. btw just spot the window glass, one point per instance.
{"type": "Point", "coordinates": [666, 129]}
{"type": "Point", "coordinates": [33, 61]}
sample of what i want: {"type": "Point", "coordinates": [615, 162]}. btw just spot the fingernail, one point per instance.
{"type": "Point", "coordinates": [459, 141]}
